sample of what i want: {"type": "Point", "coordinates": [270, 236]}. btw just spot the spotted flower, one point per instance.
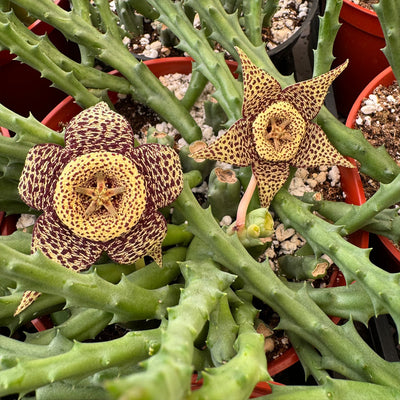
{"type": "Point", "coordinates": [99, 193]}
{"type": "Point", "coordinates": [276, 129]}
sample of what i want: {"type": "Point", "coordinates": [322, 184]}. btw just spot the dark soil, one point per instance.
{"type": "Point", "coordinates": [366, 3]}
{"type": "Point", "coordinates": [382, 128]}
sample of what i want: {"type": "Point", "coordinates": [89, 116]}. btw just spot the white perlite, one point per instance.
{"type": "Point", "coordinates": [25, 221]}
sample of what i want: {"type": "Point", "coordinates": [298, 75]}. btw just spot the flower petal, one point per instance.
{"type": "Point", "coordinates": [98, 128]}
{"type": "Point", "coordinates": [161, 169]}
{"type": "Point", "coordinates": [308, 96]}
{"type": "Point", "coordinates": [270, 178]}
{"type": "Point", "coordinates": [260, 88]}
{"type": "Point", "coordinates": [234, 147]}
{"type": "Point", "coordinates": [58, 243]}
{"type": "Point", "coordinates": [28, 298]}
{"type": "Point", "coordinates": [145, 238]}
{"type": "Point", "coordinates": [43, 164]}
{"type": "Point", "coordinates": [316, 150]}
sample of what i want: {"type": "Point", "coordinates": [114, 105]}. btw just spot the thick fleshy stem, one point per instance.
{"type": "Point", "coordinates": [302, 267]}
{"type": "Point", "coordinates": [309, 357]}
{"type": "Point", "coordinates": [333, 389]}
{"type": "Point", "coordinates": [222, 333]}
{"type": "Point", "coordinates": [253, 19]}
{"type": "Point", "coordinates": [223, 192]}
{"type": "Point", "coordinates": [375, 161]}
{"type": "Point", "coordinates": [126, 299]}
{"type": "Point", "coordinates": [297, 311]}
{"type": "Point", "coordinates": [389, 15]}
{"type": "Point", "coordinates": [212, 66]}
{"type": "Point", "coordinates": [382, 287]}
{"type": "Point", "coordinates": [169, 371]}
{"type": "Point", "coordinates": [111, 50]}
{"type": "Point", "coordinates": [237, 378]}
{"type": "Point", "coordinates": [151, 277]}
{"type": "Point", "coordinates": [385, 222]}
{"type": "Point", "coordinates": [81, 359]}
{"type": "Point", "coordinates": [347, 302]}
{"type": "Point", "coordinates": [244, 204]}
{"type": "Point", "coordinates": [196, 86]}
{"type": "Point", "coordinates": [328, 28]}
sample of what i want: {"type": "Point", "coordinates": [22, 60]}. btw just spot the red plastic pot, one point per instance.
{"type": "Point", "coordinates": [385, 78]}
{"type": "Point", "coordinates": [22, 88]}
{"type": "Point", "coordinates": [360, 40]}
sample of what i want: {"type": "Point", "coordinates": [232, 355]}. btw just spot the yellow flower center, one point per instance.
{"type": "Point", "coordinates": [278, 132]}
{"type": "Point", "coordinates": [100, 196]}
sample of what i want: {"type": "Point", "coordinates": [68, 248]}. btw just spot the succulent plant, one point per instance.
{"type": "Point", "coordinates": [192, 309]}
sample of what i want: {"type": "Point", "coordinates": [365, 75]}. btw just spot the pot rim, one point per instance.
{"type": "Point", "coordinates": [361, 18]}
{"type": "Point", "coordinates": [359, 8]}
{"type": "Point", "coordinates": [386, 77]}
{"type": "Point", "coordinates": [291, 40]}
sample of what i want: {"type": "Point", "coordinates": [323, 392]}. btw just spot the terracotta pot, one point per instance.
{"type": "Point", "coordinates": [22, 88]}
{"type": "Point", "coordinates": [360, 40]}
{"type": "Point", "coordinates": [390, 253]}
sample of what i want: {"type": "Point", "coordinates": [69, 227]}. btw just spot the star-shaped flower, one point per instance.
{"type": "Point", "coordinates": [276, 129]}
{"type": "Point", "coordinates": [99, 193]}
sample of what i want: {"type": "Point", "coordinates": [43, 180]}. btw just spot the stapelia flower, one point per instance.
{"type": "Point", "coordinates": [276, 129]}
{"type": "Point", "coordinates": [99, 193]}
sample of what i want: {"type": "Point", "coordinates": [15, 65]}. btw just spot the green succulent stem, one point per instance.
{"type": "Point", "coordinates": [302, 267]}
{"type": "Point", "coordinates": [328, 28]}
{"type": "Point", "coordinates": [375, 161]}
{"type": "Point", "coordinates": [143, 7]}
{"type": "Point", "coordinates": [196, 86]}
{"type": "Point", "coordinates": [28, 129]}
{"type": "Point", "coordinates": [269, 9]}
{"type": "Point", "coordinates": [212, 66]}
{"type": "Point", "coordinates": [333, 389]}
{"type": "Point", "coordinates": [298, 312]}
{"type": "Point", "coordinates": [223, 192]}
{"type": "Point", "coordinates": [82, 359]}
{"type": "Point", "coordinates": [381, 286]}
{"type": "Point", "coordinates": [12, 149]}
{"type": "Point", "coordinates": [310, 359]}
{"type": "Point", "coordinates": [386, 196]}
{"type": "Point", "coordinates": [123, 299]}
{"type": "Point", "coordinates": [111, 50]}
{"type": "Point", "coordinates": [389, 16]}
{"type": "Point", "coordinates": [236, 378]}
{"type": "Point", "coordinates": [253, 20]}
{"type": "Point", "coordinates": [347, 302]}
{"type": "Point", "coordinates": [169, 371]}
{"type": "Point", "coordinates": [385, 223]}
{"type": "Point", "coordinates": [222, 332]}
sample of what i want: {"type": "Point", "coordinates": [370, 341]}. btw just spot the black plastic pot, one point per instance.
{"type": "Point", "coordinates": [283, 56]}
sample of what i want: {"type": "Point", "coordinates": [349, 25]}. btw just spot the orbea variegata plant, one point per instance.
{"type": "Point", "coordinates": [99, 193]}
